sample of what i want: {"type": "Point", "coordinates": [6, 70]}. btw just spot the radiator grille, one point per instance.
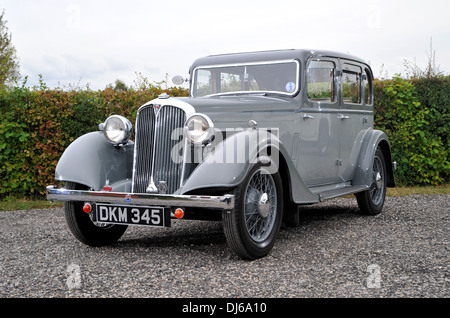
{"type": "Point", "coordinates": [154, 146]}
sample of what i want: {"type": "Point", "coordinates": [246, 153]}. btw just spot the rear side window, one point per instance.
{"type": "Point", "coordinates": [351, 84]}
{"type": "Point", "coordinates": [368, 93]}
{"type": "Point", "coordinates": [320, 84]}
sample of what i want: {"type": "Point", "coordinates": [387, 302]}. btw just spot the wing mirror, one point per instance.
{"type": "Point", "coordinates": [178, 80]}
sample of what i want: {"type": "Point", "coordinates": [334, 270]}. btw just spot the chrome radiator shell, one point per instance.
{"type": "Point", "coordinates": [158, 146]}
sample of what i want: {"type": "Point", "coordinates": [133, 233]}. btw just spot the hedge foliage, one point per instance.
{"type": "Point", "coordinates": [415, 116]}
{"type": "Point", "coordinates": [37, 124]}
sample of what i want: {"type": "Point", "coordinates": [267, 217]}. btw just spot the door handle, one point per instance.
{"type": "Point", "coordinates": [306, 116]}
{"type": "Point", "coordinates": [342, 117]}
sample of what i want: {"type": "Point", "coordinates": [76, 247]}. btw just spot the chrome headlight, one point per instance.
{"type": "Point", "coordinates": [117, 129]}
{"type": "Point", "coordinates": [199, 128]}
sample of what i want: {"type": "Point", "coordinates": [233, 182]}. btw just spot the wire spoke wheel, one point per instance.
{"type": "Point", "coordinates": [260, 206]}
{"type": "Point", "coordinates": [377, 186]}
{"type": "Point", "coordinates": [252, 226]}
{"type": "Point", "coordinates": [371, 201]}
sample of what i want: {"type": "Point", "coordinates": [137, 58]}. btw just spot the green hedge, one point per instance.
{"type": "Point", "coordinates": [434, 94]}
{"type": "Point", "coordinates": [415, 115]}
{"type": "Point", "coordinates": [37, 124]}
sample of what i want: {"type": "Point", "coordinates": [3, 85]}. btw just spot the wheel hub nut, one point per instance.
{"type": "Point", "coordinates": [264, 205]}
{"type": "Point", "coordinates": [378, 180]}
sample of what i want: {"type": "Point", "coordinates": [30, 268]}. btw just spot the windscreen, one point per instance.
{"type": "Point", "coordinates": [281, 77]}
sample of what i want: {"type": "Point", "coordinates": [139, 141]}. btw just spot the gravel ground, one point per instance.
{"type": "Point", "coordinates": [335, 252]}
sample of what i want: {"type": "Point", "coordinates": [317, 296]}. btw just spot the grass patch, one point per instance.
{"type": "Point", "coordinates": [14, 204]}
{"type": "Point", "coordinates": [427, 190]}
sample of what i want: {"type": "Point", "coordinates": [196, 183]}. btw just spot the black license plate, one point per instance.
{"type": "Point", "coordinates": [132, 215]}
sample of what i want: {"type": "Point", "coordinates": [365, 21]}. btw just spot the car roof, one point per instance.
{"type": "Point", "coordinates": [247, 57]}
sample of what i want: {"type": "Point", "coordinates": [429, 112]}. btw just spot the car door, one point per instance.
{"type": "Point", "coordinates": [318, 149]}
{"type": "Point", "coordinates": [353, 117]}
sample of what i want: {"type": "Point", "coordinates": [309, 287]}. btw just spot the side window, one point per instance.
{"type": "Point", "coordinates": [320, 81]}
{"type": "Point", "coordinates": [351, 84]}
{"type": "Point", "coordinates": [368, 93]}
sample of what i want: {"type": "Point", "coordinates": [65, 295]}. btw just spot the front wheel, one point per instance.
{"type": "Point", "coordinates": [371, 201]}
{"type": "Point", "coordinates": [252, 226]}
{"type": "Point", "coordinates": [84, 229]}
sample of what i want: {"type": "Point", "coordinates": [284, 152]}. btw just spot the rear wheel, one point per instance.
{"type": "Point", "coordinates": [82, 226]}
{"type": "Point", "coordinates": [371, 201]}
{"type": "Point", "coordinates": [252, 226]}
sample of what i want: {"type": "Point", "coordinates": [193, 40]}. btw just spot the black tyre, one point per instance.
{"type": "Point", "coordinates": [82, 226]}
{"type": "Point", "coordinates": [371, 201]}
{"type": "Point", "coordinates": [252, 226]}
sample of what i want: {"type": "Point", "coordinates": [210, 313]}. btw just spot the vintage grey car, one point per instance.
{"type": "Point", "coordinates": [260, 135]}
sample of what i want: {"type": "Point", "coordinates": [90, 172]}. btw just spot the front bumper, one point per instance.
{"type": "Point", "coordinates": [224, 202]}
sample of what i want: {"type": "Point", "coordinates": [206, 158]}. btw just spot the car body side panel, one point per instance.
{"type": "Point", "coordinates": [92, 161]}
{"type": "Point", "coordinates": [227, 166]}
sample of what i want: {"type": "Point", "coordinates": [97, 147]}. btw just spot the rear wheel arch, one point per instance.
{"type": "Point", "coordinates": [386, 150]}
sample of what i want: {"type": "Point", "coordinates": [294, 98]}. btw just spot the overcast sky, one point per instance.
{"type": "Point", "coordinates": [95, 42]}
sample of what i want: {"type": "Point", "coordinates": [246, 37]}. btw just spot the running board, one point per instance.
{"type": "Point", "coordinates": [330, 194]}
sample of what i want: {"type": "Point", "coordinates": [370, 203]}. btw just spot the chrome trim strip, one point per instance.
{"type": "Point", "coordinates": [150, 149]}
{"type": "Point", "coordinates": [336, 111]}
{"type": "Point", "coordinates": [224, 202]}
{"type": "Point", "coordinates": [172, 101]}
